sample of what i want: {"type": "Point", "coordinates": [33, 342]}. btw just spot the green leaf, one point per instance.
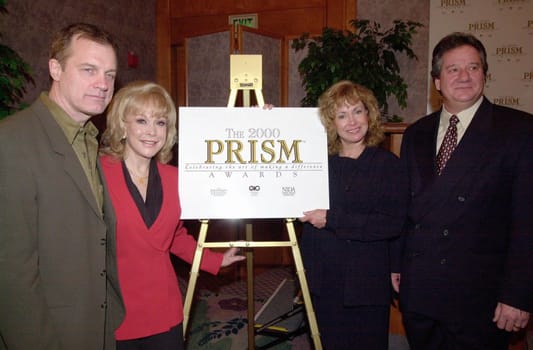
{"type": "Point", "coordinates": [15, 74]}
{"type": "Point", "coordinates": [366, 55]}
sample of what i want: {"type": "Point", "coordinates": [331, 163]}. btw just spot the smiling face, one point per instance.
{"type": "Point", "coordinates": [461, 80]}
{"type": "Point", "coordinates": [83, 85]}
{"type": "Point", "coordinates": [146, 134]}
{"type": "Point", "coordinates": [351, 122]}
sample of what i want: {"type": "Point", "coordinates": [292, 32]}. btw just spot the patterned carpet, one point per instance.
{"type": "Point", "coordinates": [218, 319]}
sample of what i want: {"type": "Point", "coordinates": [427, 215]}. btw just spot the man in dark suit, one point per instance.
{"type": "Point", "coordinates": [467, 266]}
{"type": "Point", "coordinates": [58, 282]}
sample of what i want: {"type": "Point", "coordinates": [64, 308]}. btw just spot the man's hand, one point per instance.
{"type": "Point", "coordinates": [395, 279]}
{"type": "Point", "coordinates": [510, 318]}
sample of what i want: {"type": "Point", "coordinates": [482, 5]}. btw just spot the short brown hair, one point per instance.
{"type": "Point", "coordinates": [352, 93]}
{"type": "Point", "coordinates": [453, 41]}
{"type": "Point", "coordinates": [59, 48]}
{"type": "Point", "coordinates": [134, 98]}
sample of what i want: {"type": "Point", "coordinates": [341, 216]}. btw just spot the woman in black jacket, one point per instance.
{"type": "Point", "coordinates": [349, 250]}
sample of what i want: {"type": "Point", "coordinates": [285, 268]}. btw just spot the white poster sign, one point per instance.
{"type": "Point", "coordinates": [251, 163]}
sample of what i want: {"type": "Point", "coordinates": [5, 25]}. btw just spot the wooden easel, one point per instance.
{"type": "Point", "coordinates": [241, 78]}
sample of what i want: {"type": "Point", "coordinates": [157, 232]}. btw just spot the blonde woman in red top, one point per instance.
{"type": "Point", "coordinates": [141, 131]}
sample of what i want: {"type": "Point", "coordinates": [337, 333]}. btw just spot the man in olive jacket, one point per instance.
{"type": "Point", "coordinates": [58, 278]}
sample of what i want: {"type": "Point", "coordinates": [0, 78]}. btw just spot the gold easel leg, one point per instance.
{"type": "Point", "coordinates": [250, 288]}
{"type": "Point", "coordinates": [194, 274]}
{"type": "Point", "coordinates": [232, 97]}
{"type": "Point", "coordinates": [259, 97]}
{"type": "Point", "coordinates": [246, 98]}
{"type": "Point", "coordinates": [313, 326]}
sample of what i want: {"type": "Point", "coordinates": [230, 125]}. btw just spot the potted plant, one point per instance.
{"type": "Point", "coordinates": [15, 73]}
{"type": "Point", "coordinates": [366, 55]}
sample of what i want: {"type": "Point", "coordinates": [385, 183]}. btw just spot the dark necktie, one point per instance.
{"type": "Point", "coordinates": [448, 144]}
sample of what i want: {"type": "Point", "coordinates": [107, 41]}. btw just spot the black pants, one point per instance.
{"type": "Point", "coordinates": [171, 340]}
{"type": "Point", "coordinates": [479, 333]}
{"type": "Point", "coordinates": [348, 328]}
{"type": "Point", "coordinates": [341, 327]}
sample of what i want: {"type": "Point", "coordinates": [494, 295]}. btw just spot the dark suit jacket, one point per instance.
{"type": "Point", "coordinates": [469, 235]}
{"type": "Point", "coordinates": [55, 279]}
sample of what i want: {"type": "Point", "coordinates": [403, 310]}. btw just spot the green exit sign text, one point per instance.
{"type": "Point", "coordinates": [248, 20]}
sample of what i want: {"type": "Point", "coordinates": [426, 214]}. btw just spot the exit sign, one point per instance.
{"type": "Point", "coordinates": [247, 20]}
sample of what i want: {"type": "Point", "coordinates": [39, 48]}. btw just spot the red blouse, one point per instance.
{"type": "Point", "coordinates": [147, 278]}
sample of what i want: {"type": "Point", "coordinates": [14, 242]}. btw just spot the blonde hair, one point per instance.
{"type": "Point", "coordinates": [132, 99]}
{"type": "Point", "coordinates": [349, 92]}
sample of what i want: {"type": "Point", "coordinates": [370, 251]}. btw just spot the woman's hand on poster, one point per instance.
{"type": "Point", "coordinates": [316, 217]}
{"type": "Point", "coordinates": [266, 106]}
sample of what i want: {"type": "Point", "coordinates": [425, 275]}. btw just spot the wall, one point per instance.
{"type": "Point", "coordinates": [179, 20]}
{"type": "Point", "coordinates": [506, 30]}
{"type": "Point", "coordinates": [415, 73]}
{"type": "Point", "coordinates": [29, 25]}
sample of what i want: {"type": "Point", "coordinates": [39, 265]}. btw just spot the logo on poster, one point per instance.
{"type": "Point", "coordinates": [452, 3]}
{"type": "Point", "coordinates": [527, 78]}
{"type": "Point", "coordinates": [511, 2]}
{"type": "Point", "coordinates": [509, 53]}
{"type": "Point", "coordinates": [218, 192]}
{"type": "Point", "coordinates": [511, 101]}
{"type": "Point", "coordinates": [489, 79]}
{"type": "Point", "coordinates": [512, 5]}
{"type": "Point", "coordinates": [511, 50]}
{"type": "Point", "coordinates": [452, 6]}
{"type": "Point", "coordinates": [254, 189]}
{"type": "Point", "coordinates": [252, 151]}
{"type": "Point", "coordinates": [288, 191]}
{"type": "Point", "coordinates": [482, 26]}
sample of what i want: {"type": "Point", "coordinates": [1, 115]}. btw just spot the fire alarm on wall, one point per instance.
{"type": "Point", "coordinates": [133, 60]}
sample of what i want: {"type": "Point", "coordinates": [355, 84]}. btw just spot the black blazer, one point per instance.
{"type": "Point", "coordinates": [468, 242]}
{"type": "Point", "coordinates": [368, 199]}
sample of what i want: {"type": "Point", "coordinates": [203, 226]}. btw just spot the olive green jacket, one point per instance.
{"type": "Point", "coordinates": [58, 277]}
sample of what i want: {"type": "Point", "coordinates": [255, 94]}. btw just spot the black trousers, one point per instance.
{"type": "Point", "coordinates": [478, 333]}
{"type": "Point", "coordinates": [348, 328]}
{"type": "Point", "coordinates": [171, 340]}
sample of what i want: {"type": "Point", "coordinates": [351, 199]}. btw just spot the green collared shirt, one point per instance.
{"type": "Point", "coordinates": [83, 141]}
